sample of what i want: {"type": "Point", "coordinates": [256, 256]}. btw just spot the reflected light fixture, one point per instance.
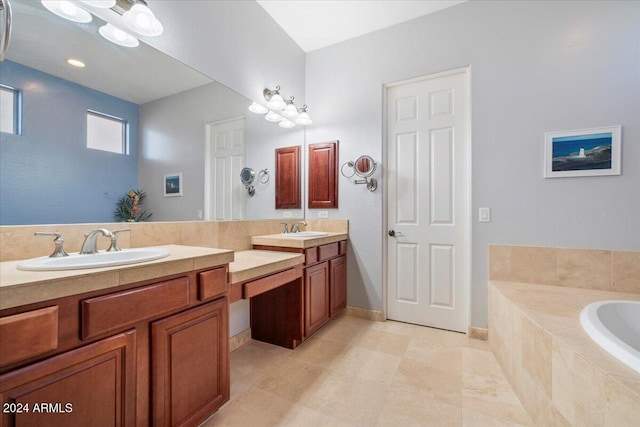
{"type": "Point", "coordinates": [100, 4]}
{"type": "Point", "coordinates": [286, 123]}
{"type": "Point", "coordinates": [67, 10]}
{"type": "Point", "coordinates": [273, 117]}
{"type": "Point", "coordinates": [142, 20]}
{"type": "Point", "coordinates": [75, 62]}
{"type": "Point", "coordinates": [290, 111]}
{"type": "Point", "coordinates": [303, 118]}
{"type": "Point", "coordinates": [117, 36]}
{"type": "Point", "coordinates": [257, 108]}
{"type": "Point", "coordinates": [275, 101]}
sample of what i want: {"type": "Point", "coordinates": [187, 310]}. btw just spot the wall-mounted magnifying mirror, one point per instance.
{"type": "Point", "coordinates": [247, 176]}
{"type": "Point", "coordinates": [364, 167]}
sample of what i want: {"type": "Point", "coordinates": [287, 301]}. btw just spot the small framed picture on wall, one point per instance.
{"type": "Point", "coordinates": [582, 152]}
{"type": "Point", "coordinates": [173, 185]}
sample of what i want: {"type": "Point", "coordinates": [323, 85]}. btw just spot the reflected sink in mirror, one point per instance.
{"type": "Point", "coordinates": [100, 259]}
{"type": "Point", "coordinates": [305, 234]}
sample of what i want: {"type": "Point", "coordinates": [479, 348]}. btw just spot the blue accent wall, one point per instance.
{"type": "Point", "coordinates": [47, 174]}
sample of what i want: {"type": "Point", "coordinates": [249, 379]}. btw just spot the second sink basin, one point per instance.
{"type": "Point", "coordinates": [100, 259]}
{"type": "Point", "coordinates": [305, 234]}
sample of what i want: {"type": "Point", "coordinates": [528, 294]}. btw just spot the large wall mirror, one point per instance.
{"type": "Point", "coordinates": [170, 114]}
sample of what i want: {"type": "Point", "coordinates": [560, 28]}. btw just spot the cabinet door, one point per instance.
{"type": "Point", "coordinates": [190, 365]}
{"type": "Point", "coordinates": [323, 175]}
{"type": "Point", "coordinates": [90, 386]}
{"type": "Point", "coordinates": [288, 178]}
{"type": "Point", "coordinates": [316, 297]}
{"type": "Point", "coordinates": [338, 280]}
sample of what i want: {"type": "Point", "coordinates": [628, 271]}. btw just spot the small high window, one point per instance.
{"type": "Point", "coordinates": [106, 133]}
{"type": "Point", "coordinates": [9, 110]}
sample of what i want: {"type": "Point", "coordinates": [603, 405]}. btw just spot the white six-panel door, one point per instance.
{"type": "Point", "coordinates": [224, 159]}
{"type": "Point", "coordinates": [428, 201]}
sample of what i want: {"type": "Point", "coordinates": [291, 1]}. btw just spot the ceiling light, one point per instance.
{"type": "Point", "coordinates": [257, 108]}
{"type": "Point", "coordinates": [273, 117]}
{"type": "Point", "coordinates": [303, 118]}
{"type": "Point", "coordinates": [67, 10]}
{"type": "Point", "coordinates": [75, 62]}
{"type": "Point", "coordinates": [117, 36]}
{"type": "Point", "coordinates": [142, 20]}
{"type": "Point", "coordinates": [290, 111]}
{"type": "Point", "coordinates": [274, 99]}
{"type": "Point", "coordinates": [100, 4]}
{"type": "Point", "coordinates": [286, 123]}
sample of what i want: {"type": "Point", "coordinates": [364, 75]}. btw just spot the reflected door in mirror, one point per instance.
{"type": "Point", "coordinates": [288, 178]}
{"type": "Point", "coordinates": [323, 175]}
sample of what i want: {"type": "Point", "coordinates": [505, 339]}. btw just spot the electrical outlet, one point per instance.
{"type": "Point", "coordinates": [286, 214]}
{"type": "Point", "coordinates": [323, 214]}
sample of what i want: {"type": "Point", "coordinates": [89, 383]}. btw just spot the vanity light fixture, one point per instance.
{"type": "Point", "coordinates": [67, 10]}
{"type": "Point", "coordinates": [142, 20]}
{"type": "Point", "coordinates": [257, 108]}
{"type": "Point", "coordinates": [286, 123]}
{"type": "Point", "coordinates": [117, 36]}
{"type": "Point", "coordinates": [100, 4]}
{"type": "Point", "coordinates": [290, 111]}
{"type": "Point", "coordinates": [275, 101]}
{"type": "Point", "coordinates": [303, 117]}
{"type": "Point", "coordinates": [272, 116]}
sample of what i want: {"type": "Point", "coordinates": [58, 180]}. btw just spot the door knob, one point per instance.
{"type": "Point", "coordinates": [393, 233]}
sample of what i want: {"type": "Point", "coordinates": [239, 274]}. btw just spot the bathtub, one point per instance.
{"type": "Point", "coordinates": [615, 326]}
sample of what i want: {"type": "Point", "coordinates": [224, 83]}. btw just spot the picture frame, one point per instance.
{"type": "Point", "coordinates": [583, 152]}
{"type": "Point", "coordinates": [172, 185]}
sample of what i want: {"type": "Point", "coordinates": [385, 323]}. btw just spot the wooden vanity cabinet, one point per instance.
{"type": "Point", "coordinates": [150, 353]}
{"type": "Point", "coordinates": [324, 282]}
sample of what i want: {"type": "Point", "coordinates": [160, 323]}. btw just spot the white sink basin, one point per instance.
{"type": "Point", "coordinates": [305, 234]}
{"type": "Point", "coordinates": [100, 259]}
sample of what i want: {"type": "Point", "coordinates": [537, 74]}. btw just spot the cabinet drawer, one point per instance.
{"type": "Point", "coordinates": [212, 283]}
{"type": "Point", "coordinates": [120, 309]}
{"type": "Point", "coordinates": [268, 283]}
{"type": "Point", "coordinates": [26, 335]}
{"type": "Point", "coordinates": [328, 251]}
{"type": "Point", "coordinates": [311, 256]}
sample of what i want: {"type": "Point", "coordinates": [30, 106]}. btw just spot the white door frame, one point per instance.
{"type": "Point", "coordinates": [385, 178]}
{"type": "Point", "coordinates": [207, 163]}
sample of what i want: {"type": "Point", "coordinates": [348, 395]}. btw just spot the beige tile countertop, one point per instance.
{"type": "Point", "coordinates": [18, 287]}
{"type": "Point", "coordinates": [298, 242]}
{"type": "Point", "coordinates": [255, 263]}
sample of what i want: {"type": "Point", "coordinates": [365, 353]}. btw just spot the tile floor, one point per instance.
{"type": "Point", "coordinates": [357, 372]}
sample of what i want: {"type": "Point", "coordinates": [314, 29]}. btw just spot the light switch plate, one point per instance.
{"type": "Point", "coordinates": [199, 213]}
{"type": "Point", "coordinates": [484, 215]}
{"type": "Point", "coordinates": [286, 214]}
{"type": "Point", "coordinates": [323, 214]}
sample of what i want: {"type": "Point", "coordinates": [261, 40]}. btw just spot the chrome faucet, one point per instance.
{"type": "Point", "coordinates": [59, 241]}
{"type": "Point", "coordinates": [296, 227]}
{"type": "Point", "coordinates": [89, 246]}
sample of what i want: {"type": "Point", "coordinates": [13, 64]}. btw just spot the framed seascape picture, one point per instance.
{"type": "Point", "coordinates": [173, 185]}
{"type": "Point", "coordinates": [583, 152]}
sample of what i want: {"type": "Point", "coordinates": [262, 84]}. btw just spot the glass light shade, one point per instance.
{"type": "Point", "coordinates": [257, 108]}
{"type": "Point", "coordinates": [142, 20]}
{"type": "Point", "coordinates": [290, 111]}
{"type": "Point", "coordinates": [304, 119]}
{"type": "Point", "coordinates": [276, 102]}
{"type": "Point", "coordinates": [101, 4]}
{"type": "Point", "coordinates": [273, 117]}
{"type": "Point", "coordinates": [117, 36]}
{"type": "Point", "coordinates": [285, 123]}
{"type": "Point", "coordinates": [67, 10]}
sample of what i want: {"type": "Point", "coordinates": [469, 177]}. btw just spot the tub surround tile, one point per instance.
{"type": "Point", "coordinates": [626, 271]}
{"type": "Point", "coordinates": [499, 262]}
{"type": "Point", "coordinates": [581, 268]}
{"type": "Point", "coordinates": [561, 376]}
{"type": "Point", "coordinates": [534, 265]}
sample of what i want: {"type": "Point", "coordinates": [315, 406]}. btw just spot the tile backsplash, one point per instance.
{"type": "Point", "coordinates": [575, 268]}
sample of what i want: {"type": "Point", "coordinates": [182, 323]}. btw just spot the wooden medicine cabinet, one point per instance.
{"type": "Point", "coordinates": [323, 175]}
{"type": "Point", "coordinates": [288, 178]}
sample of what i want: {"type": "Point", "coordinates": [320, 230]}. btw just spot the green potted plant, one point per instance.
{"type": "Point", "coordinates": [128, 208]}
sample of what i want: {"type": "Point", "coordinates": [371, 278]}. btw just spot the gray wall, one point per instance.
{"type": "Point", "coordinates": [535, 67]}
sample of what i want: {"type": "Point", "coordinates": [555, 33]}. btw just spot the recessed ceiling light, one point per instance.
{"type": "Point", "coordinates": [75, 62]}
